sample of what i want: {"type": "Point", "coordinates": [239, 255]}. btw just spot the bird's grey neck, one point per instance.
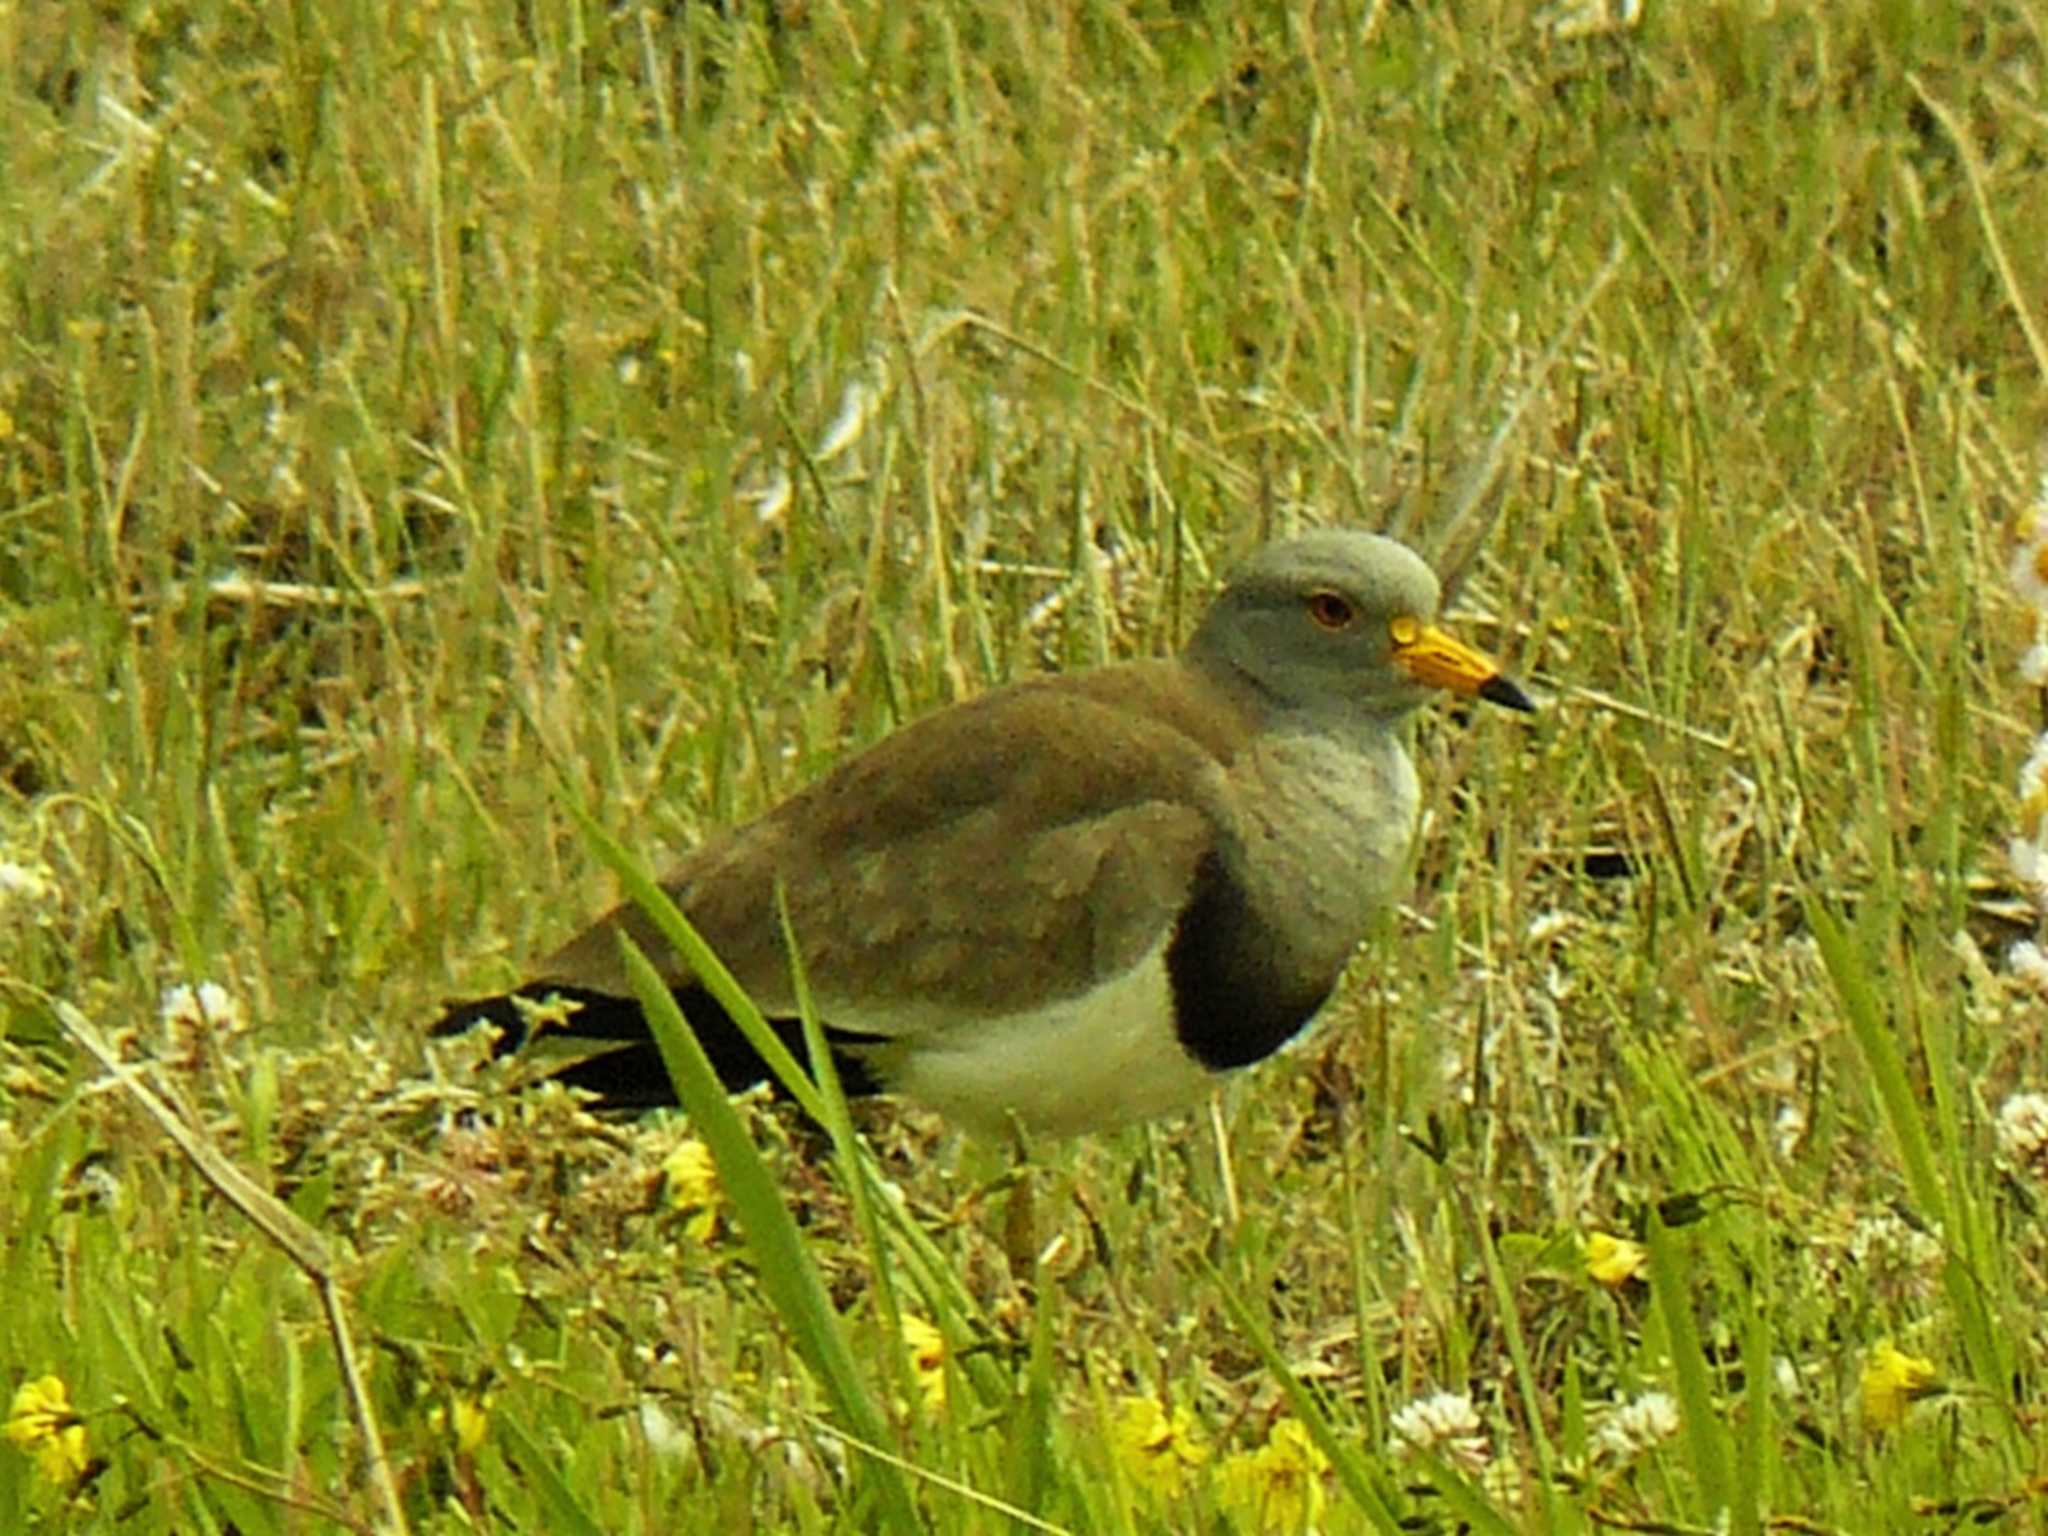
{"type": "Point", "coordinates": [1362, 718]}
{"type": "Point", "coordinates": [1364, 726]}
{"type": "Point", "coordinates": [1322, 836]}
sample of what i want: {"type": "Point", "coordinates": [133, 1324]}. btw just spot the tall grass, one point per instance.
{"type": "Point", "coordinates": [419, 426]}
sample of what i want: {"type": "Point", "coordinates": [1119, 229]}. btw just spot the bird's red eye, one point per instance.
{"type": "Point", "coordinates": [1331, 610]}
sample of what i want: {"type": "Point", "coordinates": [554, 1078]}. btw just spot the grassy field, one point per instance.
{"type": "Point", "coordinates": [421, 426]}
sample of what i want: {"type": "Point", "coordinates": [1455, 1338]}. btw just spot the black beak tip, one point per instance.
{"type": "Point", "coordinates": [1505, 691]}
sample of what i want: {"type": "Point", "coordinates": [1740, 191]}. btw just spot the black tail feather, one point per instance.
{"type": "Point", "coordinates": [632, 1077]}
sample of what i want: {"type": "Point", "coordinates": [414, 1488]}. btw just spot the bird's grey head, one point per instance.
{"type": "Point", "coordinates": [1324, 621]}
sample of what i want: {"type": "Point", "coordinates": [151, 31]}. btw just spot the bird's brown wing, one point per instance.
{"type": "Point", "coordinates": [1004, 853]}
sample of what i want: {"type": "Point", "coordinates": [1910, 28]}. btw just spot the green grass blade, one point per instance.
{"type": "Point", "coordinates": [565, 1513]}
{"type": "Point", "coordinates": [1526, 1380]}
{"type": "Point", "coordinates": [1943, 1200]}
{"type": "Point", "coordinates": [1350, 1467]}
{"type": "Point", "coordinates": [787, 1274]}
{"type": "Point", "coordinates": [1881, 1055]}
{"type": "Point", "coordinates": [855, 1169]}
{"type": "Point", "coordinates": [1706, 1437]}
{"type": "Point", "coordinates": [701, 962]}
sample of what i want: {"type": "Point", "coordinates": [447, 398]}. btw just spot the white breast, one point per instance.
{"type": "Point", "coordinates": [1106, 1058]}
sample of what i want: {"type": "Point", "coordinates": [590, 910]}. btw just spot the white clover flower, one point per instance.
{"type": "Point", "coordinates": [2029, 866]}
{"type": "Point", "coordinates": [2034, 771]}
{"type": "Point", "coordinates": [2023, 1127]}
{"type": "Point", "coordinates": [2029, 568]}
{"type": "Point", "coordinates": [1629, 1429]}
{"type": "Point", "coordinates": [1788, 1128]}
{"type": "Point", "coordinates": [194, 1015]}
{"type": "Point", "coordinates": [2028, 572]}
{"type": "Point", "coordinates": [208, 1005]}
{"type": "Point", "coordinates": [30, 885]}
{"type": "Point", "coordinates": [1587, 18]}
{"type": "Point", "coordinates": [1443, 1424]}
{"type": "Point", "coordinates": [1884, 1239]}
{"type": "Point", "coordinates": [2029, 964]}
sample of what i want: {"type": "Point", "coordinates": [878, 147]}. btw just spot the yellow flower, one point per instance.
{"type": "Point", "coordinates": [472, 1423]}
{"type": "Point", "coordinates": [41, 1422]}
{"type": "Point", "coordinates": [1613, 1261]}
{"type": "Point", "coordinates": [1156, 1449]}
{"type": "Point", "coordinates": [1894, 1381]}
{"type": "Point", "coordinates": [927, 1348]}
{"type": "Point", "coordinates": [1278, 1487]}
{"type": "Point", "coordinates": [471, 1418]}
{"type": "Point", "coordinates": [691, 1179]}
{"type": "Point", "coordinates": [41, 1407]}
{"type": "Point", "coordinates": [61, 1458]}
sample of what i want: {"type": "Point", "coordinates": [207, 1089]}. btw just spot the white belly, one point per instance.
{"type": "Point", "coordinates": [1104, 1059]}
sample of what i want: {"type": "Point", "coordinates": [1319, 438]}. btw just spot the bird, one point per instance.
{"type": "Point", "coordinates": [1077, 901]}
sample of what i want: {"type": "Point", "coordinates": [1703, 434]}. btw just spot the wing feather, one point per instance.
{"type": "Point", "coordinates": [1002, 854]}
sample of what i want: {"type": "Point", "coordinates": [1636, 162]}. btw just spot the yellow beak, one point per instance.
{"type": "Point", "coordinates": [1440, 660]}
